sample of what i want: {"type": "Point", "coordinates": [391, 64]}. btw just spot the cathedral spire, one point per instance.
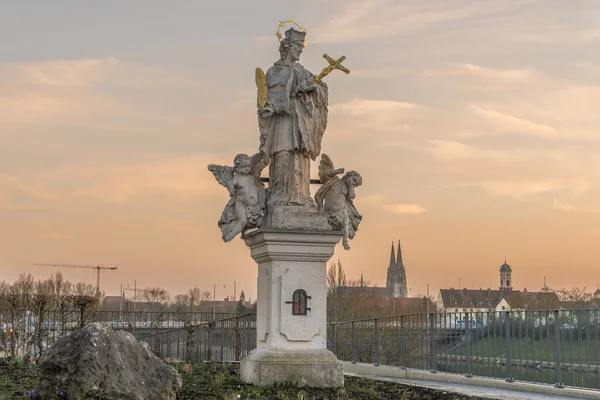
{"type": "Point", "coordinates": [396, 276]}
{"type": "Point", "coordinates": [399, 261]}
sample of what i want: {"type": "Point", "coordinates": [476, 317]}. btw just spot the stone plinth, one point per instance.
{"type": "Point", "coordinates": [296, 218]}
{"type": "Point", "coordinates": [292, 347]}
{"type": "Point", "coordinates": [306, 367]}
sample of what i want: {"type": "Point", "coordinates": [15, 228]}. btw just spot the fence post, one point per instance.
{"type": "Point", "coordinates": [509, 373]}
{"type": "Point", "coordinates": [333, 341]}
{"type": "Point", "coordinates": [403, 342]}
{"type": "Point", "coordinates": [557, 360]}
{"type": "Point", "coordinates": [469, 373]}
{"type": "Point", "coordinates": [376, 343]}
{"type": "Point", "coordinates": [432, 348]}
{"type": "Point", "coordinates": [353, 343]}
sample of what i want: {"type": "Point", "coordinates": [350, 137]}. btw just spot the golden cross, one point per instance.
{"type": "Point", "coordinates": [333, 64]}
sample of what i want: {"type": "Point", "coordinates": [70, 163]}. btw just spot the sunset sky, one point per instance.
{"type": "Point", "coordinates": [475, 125]}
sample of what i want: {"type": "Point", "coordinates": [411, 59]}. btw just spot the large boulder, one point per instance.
{"type": "Point", "coordinates": [98, 363]}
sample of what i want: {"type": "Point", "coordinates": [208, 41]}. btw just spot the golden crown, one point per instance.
{"type": "Point", "coordinates": [293, 23]}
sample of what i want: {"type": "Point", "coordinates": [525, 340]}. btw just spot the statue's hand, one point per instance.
{"type": "Point", "coordinates": [306, 86]}
{"type": "Point", "coordinates": [266, 112]}
{"type": "Point", "coordinates": [265, 158]}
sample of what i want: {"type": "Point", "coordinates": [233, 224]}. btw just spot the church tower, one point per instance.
{"type": "Point", "coordinates": [505, 276]}
{"type": "Point", "coordinates": [402, 283]}
{"type": "Point", "coordinates": [396, 274]}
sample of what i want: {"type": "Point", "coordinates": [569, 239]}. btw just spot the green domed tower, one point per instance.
{"type": "Point", "coordinates": [505, 276]}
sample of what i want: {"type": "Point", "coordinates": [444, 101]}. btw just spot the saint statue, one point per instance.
{"type": "Point", "coordinates": [292, 124]}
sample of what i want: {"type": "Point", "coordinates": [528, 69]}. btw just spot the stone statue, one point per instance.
{"type": "Point", "coordinates": [246, 206]}
{"type": "Point", "coordinates": [292, 124]}
{"type": "Point", "coordinates": [335, 198]}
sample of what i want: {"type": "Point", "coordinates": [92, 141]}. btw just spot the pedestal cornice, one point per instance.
{"type": "Point", "coordinates": [282, 245]}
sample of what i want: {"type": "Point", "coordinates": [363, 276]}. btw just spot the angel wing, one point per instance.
{"type": "Point", "coordinates": [224, 175]}
{"type": "Point", "coordinates": [257, 164]}
{"type": "Point", "coordinates": [326, 168]}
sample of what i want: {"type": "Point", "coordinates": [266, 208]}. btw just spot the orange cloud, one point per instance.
{"type": "Point", "coordinates": [405, 208]}
{"type": "Point", "coordinates": [558, 205]}
{"type": "Point", "coordinates": [33, 189]}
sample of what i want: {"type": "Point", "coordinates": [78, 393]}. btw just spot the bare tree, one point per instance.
{"type": "Point", "coordinates": [63, 291]}
{"type": "Point", "coordinates": [84, 298]}
{"type": "Point", "coordinates": [4, 287]}
{"type": "Point", "coordinates": [42, 300]}
{"type": "Point", "coordinates": [18, 300]}
{"type": "Point", "coordinates": [189, 304]}
{"type": "Point", "coordinates": [336, 279]}
{"type": "Point", "coordinates": [574, 297]}
{"type": "Point", "coordinates": [158, 300]}
{"type": "Point", "coordinates": [21, 291]}
{"type": "Point", "coordinates": [157, 297]}
{"type": "Point", "coordinates": [181, 302]}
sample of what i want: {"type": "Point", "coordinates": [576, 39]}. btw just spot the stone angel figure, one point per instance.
{"type": "Point", "coordinates": [246, 205]}
{"type": "Point", "coordinates": [335, 198]}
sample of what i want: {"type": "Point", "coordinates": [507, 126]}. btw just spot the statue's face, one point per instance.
{"type": "Point", "coordinates": [243, 167]}
{"type": "Point", "coordinates": [296, 49]}
{"type": "Point", "coordinates": [353, 181]}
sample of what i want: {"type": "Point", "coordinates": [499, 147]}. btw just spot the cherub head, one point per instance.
{"type": "Point", "coordinates": [242, 164]}
{"type": "Point", "coordinates": [353, 179]}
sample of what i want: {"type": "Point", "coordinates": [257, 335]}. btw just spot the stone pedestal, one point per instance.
{"type": "Point", "coordinates": [292, 347]}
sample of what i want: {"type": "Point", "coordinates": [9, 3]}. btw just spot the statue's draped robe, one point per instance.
{"type": "Point", "coordinates": [292, 136]}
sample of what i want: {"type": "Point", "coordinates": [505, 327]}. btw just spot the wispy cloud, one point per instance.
{"type": "Point", "coordinates": [31, 188]}
{"type": "Point", "coordinates": [526, 21]}
{"type": "Point", "coordinates": [69, 92]}
{"type": "Point", "coordinates": [558, 205]}
{"type": "Point", "coordinates": [507, 123]}
{"type": "Point", "coordinates": [187, 177]}
{"type": "Point", "coordinates": [523, 102]}
{"type": "Point", "coordinates": [79, 73]}
{"type": "Point", "coordinates": [369, 107]}
{"type": "Point", "coordinates": [524, 189]}
{"type": "Point", "coordinates": [484, 74]}
{"type": "Point", "coordinates": [379, 200]}
{"type": "Point", "coordinates": [405, 208]}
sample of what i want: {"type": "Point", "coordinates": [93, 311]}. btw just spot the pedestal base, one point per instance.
{"type": "Point", "coordinates": [305, 367]}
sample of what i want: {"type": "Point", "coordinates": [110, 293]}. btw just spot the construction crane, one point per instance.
{"type": "Point", "coordinates": [96, 267]}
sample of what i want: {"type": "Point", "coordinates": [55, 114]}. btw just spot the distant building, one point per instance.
{"type": "Point", "coordinates": [505, 277]}
{"type": "Point", "coordinates": [504, 299]}
{"type": "Point", "coordinates": [597, 294]}
{"type": "Point", "coordinates": [227, 305]}
{"type": "Point", "coordinates": [396, 285]}
{"type": "Point", "coordinates": [369, 301]}
{"type": "Point", "coordinates": [113, 303]}
{"type": "Point", "coordinates": [396, 275]}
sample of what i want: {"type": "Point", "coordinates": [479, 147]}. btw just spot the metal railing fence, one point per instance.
{"type": "Point", "coordinates": [176, 336]}
{"type": "Point", "coordinates": [555, 347]}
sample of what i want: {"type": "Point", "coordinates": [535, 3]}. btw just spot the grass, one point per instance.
{"type": "Point", "coordinates": [222, 381]}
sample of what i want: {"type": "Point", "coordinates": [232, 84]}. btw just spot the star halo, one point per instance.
{"type": "Point", "coordinates": [292, 22]}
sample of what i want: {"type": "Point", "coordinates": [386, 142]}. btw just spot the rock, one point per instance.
{"type": "Point", "coordinates": [98, 363]}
